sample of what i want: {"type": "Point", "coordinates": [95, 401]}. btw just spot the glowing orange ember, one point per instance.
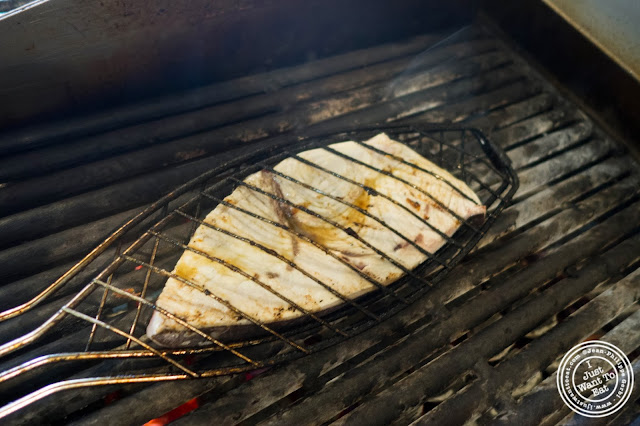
{"type": "Point", "coordinates": [175, 414]}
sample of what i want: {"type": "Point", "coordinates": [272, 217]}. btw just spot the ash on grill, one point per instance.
{"type": "Point", "coordinates": [557, 267]}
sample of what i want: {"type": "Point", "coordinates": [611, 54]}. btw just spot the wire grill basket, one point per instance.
{"type": "Point", "coordinates": [102, 325]}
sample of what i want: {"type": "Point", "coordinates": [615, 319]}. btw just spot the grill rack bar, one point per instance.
{"type": "Point", "coordinates": [391, 175]}
{"type": "Point", "coordinates": [145, 285]}
{"type": "Point", "coordinates": [588, 320]}
{"type": "Point", "coordinates": [129, 337]}
{"type": "Point", "coordinates": [373, 192]}
{"type": "Point", "coordinates": [29, 338]}
{"type": "Point", "coordinates": [464, 166]}
{"type": "Point", "coordinates": [522, 318]}
{"type": "Point", "coordinates": [118, 233]}
{"type": "Point", "coordinates": [474, 158]}
{"type": "Point", "coordinates": [217, 299]}
{"type": "Point", "coordinates": [422, 169]}
{"type": "Point", "coordinates": [441, 331]}
{"type": "Point", "coordinates": [103, 300]}
{"type": "Point", "coordinates": [155, 235]}
{"type": "Point", "coordinates": [287, 261]}
{"type": "Point", "coordinates": [143, 301]}
{"type": "Point", "coordinates": [252, 278]}
{"type": "Point", "coordinates": [304, 238]}
{"type": "Point", "coordinates": [359, 210]}
{"type": "Point", "coordinates": [348, 231]}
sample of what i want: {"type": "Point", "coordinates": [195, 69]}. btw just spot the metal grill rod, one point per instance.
{"type": "Point", "coordinates": [217, 299]}
{"type": "Point", "coordinates": [145, 285]}
{"type": "Point", "coordinates": [422, 169]}
{"type": "Point", "coordinates": [285, 260]}
{"type": "Point", "coordinates": [359, 210]}
{"type": "Point", "coordinates": [493, 338]}
{"type": "Point", "coordinates": [47, 325]}
{"type": "Point", "coordinates": [499, 177]}
{"type": "Point", "coordinates": [82, 294]}
{"type": "Point", "coordinates": [252, 278]}
{"type": "Point", "coordinates": [422, 130]}
{"type": "Point", "coordinates": [375, 193]}
{"type": "Point", "coordinates": [347, 231]}
{"type": "Point", "coordinates": [129, 336]}
{"type": "Point", "coordinates": [143, 301]}
{"type": "Point", "coordinates": [10, 313]}
{"type": "Point", "coordinates": [81, 383]}
{"type": "Point", "coordinates": [103, 300]}
{"type": "Point", "coordinates": [451, 145]}
{"type": "Point", "coordinates": [398, 359]}
{"type": "Point", "coordinates": [72, 356]}
{"type": "Point", "coordinates": [391, 175]}
{"type": "Point", "coordinates": [309, 240]}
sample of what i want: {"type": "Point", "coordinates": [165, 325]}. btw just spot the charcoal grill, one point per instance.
{"type": "Point", "coordinates": [134, 274]}
{"type": "Point", "coordinates": [555, 268]}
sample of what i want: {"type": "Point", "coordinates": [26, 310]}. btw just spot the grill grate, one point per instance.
{"type": "Point", "coordinates": [133, 280]}
{"type": "Point", "coordinates": [577, 206]}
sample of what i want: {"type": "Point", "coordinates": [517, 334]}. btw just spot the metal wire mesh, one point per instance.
{"type": "Point", "coordinates": [106, 319]}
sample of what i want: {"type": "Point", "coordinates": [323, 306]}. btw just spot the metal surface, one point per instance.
{"type": "Point", "coordinates": [65, 58]}
{"type": "Point", "coordinates": [557, 267]}
{"type": "Point", "coordinates": [459, 150]}
{"type": "Point", "coordinates": [610, 25]}
{"type": "Point", "coordinates": [14, 6]}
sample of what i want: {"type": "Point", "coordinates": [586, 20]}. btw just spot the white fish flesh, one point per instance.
{"type": "Point", "coordinates": [347, 264]}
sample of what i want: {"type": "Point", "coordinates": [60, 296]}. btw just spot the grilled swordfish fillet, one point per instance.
{"type": "Point", "coordinates": [326, 253]}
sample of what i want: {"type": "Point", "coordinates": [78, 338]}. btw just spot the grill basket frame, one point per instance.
{"type": "Point", "coordinates": [108, 341]}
